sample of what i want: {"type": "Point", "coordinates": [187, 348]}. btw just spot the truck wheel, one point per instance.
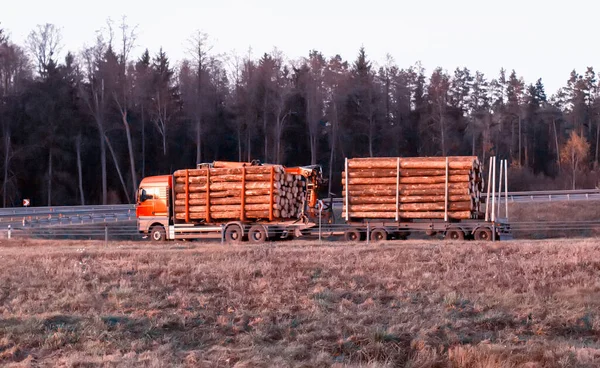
{"type": "Point", "coordinates": [454, 234]}
{"type": "Point", "coordinates": [233, 234]}
{"type": "Point", "coordinates": [352, 235]}
{"type": "Point", "coordinates": [483, 234]}
{"type": "Point", "coordinates": [157, 233]}
{"type": "Point", "coordinates": [379, 235]}
{"type": "Point", "coordinates": [257, 234]}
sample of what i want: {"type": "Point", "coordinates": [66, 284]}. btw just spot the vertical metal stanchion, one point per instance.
{"type": "Point", "coordinates": [487, 199]}
{"type": "Point", "coordinates": [500, 187]}
{"type": "Point", "coordinates": [106, 235]}
{"type": "Point", "coordinates": [506, 187]}
{"type": "Point", "coordinates": [222, 235]}
{"type": "Point", "coordinates": [320, 210]}
{"type": "Point", "coordinates": [9, 232]}
{"type": "Point", "coordinates": [368, 231]}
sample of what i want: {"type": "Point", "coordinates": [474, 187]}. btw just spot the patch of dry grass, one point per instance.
{"type": "Point", "coordinates": [411, 304]}
{"type": "Point", "coordinates": [559, 211]}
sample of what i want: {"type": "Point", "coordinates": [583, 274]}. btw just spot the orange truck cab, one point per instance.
{"type": "Point", "coordinates": [153, 206]}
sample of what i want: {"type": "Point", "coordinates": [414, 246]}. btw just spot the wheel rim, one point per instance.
{"type": "Point", "coordinates": [454, 235]}
{"type": "Point", "coordinates": [352, 236]}
{"type": "Point", "coordinates": [156, 235]}
{"type": "Point", "coordinates": [257, 236]}
{"type": "Point", "coordinates": [484, 235]}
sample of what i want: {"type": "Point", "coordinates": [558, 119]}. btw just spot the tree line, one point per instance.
{"type": "Point", "coordinates": [85, 129]}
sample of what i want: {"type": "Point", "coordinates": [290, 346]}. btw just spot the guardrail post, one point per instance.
{"type": "Point", "coordinates": [368, 231]}
{"type": "Point", "coordinates": [9, 234]}
{"type": "Point", "coordinates": [106, 235]}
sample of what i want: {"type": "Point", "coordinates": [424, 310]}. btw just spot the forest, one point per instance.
{"type": "Point", "coordinates": [85, 128]}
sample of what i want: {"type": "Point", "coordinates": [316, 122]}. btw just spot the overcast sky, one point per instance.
{"type": "Point", "coordinates": [536, 38]}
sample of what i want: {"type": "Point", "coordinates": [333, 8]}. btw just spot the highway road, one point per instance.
{"type": "Point", "coordinates": [121, 218]}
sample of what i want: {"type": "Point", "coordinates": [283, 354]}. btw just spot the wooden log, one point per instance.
{"type": "Point", "coordinates": [458, 215]}
{"type": "Point", "coordinates": [409, 180]}
{"type": "Point", "coordinates": [455, 163]}
{"type": "Point", "coordinates": [229, 171]}
{"type": "Point", "coordinates": [226, 208]}
{"type": "Point", "coordinates": [382, 173]}
{"type": "Point", "coordinates": [436, 206]}
{"type": "Point", "coordinates": [180, 188]}
{"type": "Point", "coordinates": [363, 187]}
{"type": "Point", "coordinates": [214, 178]}
{"type": "Point", "coordinates": [233, 215]}
{"type": "Point", "coordinates": [407, 199]}
{"type": "Point", "coordinates": [406, 192]}
{"type": "Point", "coordinates": [225, 193]}
{"type": "Point", "coordinates": [226, 200]}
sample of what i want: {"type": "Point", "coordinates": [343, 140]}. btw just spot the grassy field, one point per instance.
{"type": "Point", "coordinates": [408, 304]}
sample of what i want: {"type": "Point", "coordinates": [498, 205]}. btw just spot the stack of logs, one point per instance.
{"type": "Point", "coordinates": [238, 193]}
{"type": "Point", "coordinates": [413, 188]}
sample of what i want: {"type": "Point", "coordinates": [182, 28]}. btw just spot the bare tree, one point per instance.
{"type": "Point", "coordinates": [96, 95]}
{"type": "Point", "coordinates": [199, 50]}
{"type": "Point", "coordinates": [44, 43]}
{"type": "Point", "coordinates": [123, 95]}
{"type": "Point", "coordinates": [235, 70]}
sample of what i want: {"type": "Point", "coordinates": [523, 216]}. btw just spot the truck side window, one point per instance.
{"type": "Point", "coordinates": [145, 194]}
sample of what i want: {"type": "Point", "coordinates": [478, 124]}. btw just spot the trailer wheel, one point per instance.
{"type": "Point", "coordinates": [379, 235]}
{"type": "Point", "coordinates": [455, 234]}
{"type": "Point", "coordinates": [233, 234]}
{"type": "Point", "coordinates": [352, 235]}
{"type": "Point", "coordinates": [483, 234]}
{"type": "Point", "coordinates": [157, 233]}
{"type": "Point", "coordinates": [257, 234]}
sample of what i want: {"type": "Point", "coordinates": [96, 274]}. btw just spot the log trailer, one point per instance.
{"type": "Point", "coordinates": [384, 198]}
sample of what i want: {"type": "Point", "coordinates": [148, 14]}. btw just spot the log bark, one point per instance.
{"type": "Point", "coordinates": [230, 171]}
{"type": "Point", "coordinates": [381, 173]}
{"type": "Point", "coordinates": [406, 192]}
{"type": "Point", "coordinates": [227, 178]}
{"type": "Point", "coordinates": [364, 187]}
{"type": "Point", "coordinates": [226, 208]}
{"type": "Point", "coordinates": [455, 163]}
{"type": "Point", "coordinates": [226, 200]}
{"type": "Point", "coordinates": [180, 188]}
{"type": "Point", "coordinates": [411, 207]}
{"type": "Point", "coordinates": [407, 199]}
{"type": "Point", "coordinates": [409, 180]}
{"type": "Point", "coordinates": [458, 215]}
{"type": "Point", "coordinates": [225, 215]}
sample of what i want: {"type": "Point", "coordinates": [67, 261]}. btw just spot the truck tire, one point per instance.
{"type": "Point", "coordinates": [379, 235]}
{"type": "Point", "coordinates": [352, 235]}
{"type": "Point", "coordinates": [233, 234]}
{"type": "Point", "coordinates": [454, 234]}
{"type": "Point", "coordinates": [483, 234]}
{"type": "Point", "coordinates": [257, 234]}
{"type": "Point", "coordinates": [157, 233]}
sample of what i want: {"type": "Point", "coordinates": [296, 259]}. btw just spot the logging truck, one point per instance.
{"type": "Point", "coordinates": [234, 201]}
{"type": "Point", "coordinates": [382, 198]}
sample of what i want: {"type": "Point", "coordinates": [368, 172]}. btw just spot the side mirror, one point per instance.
{"type": "Point", "coordinates": [143, 195]}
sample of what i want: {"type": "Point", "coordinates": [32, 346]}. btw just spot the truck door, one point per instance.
{"type": "Point", "coordinates": [146, 199]}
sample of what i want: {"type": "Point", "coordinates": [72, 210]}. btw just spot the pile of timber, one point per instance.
{"type": "Point", "coordinates": [413, 188]}
{"type": "Point", "coordinates": [214, 194]}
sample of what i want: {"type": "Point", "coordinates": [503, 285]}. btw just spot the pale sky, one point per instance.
{"type": "Point", "coordinates": [536, 38]}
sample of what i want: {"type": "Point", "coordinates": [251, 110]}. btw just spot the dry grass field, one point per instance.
{"type": "Point", "coordinates": [406, 304]}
